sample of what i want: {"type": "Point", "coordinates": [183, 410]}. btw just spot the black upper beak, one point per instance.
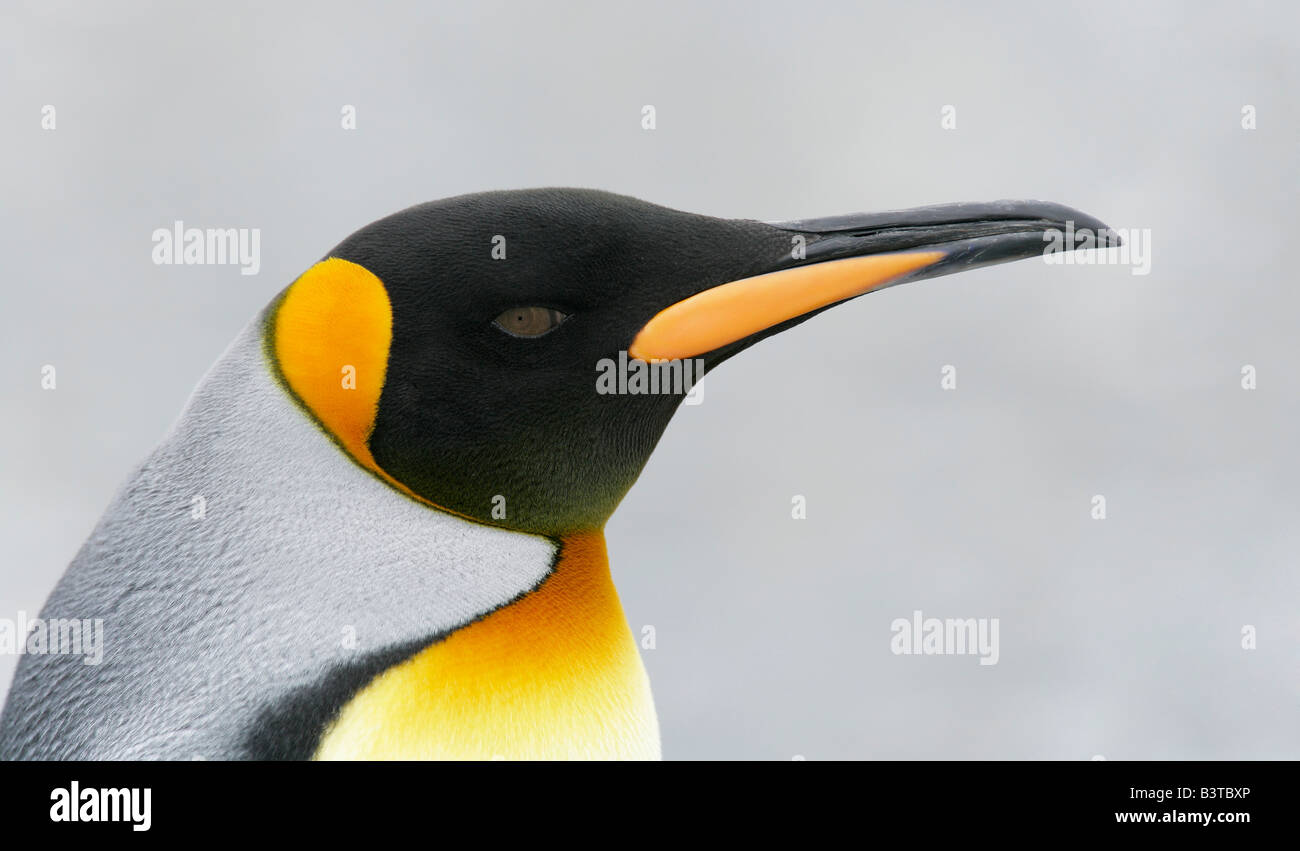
{"type": "Point", "coordinates": [972, 235]}
{"type": "Point", "coordinates": [838, 258]}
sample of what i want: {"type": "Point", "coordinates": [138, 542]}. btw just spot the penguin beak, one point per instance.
{"type": "Point", "coordinates": [838, 258]}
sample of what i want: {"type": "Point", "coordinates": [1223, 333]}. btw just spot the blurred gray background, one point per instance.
{"type": "Point", "coordinates": [1119, 637]}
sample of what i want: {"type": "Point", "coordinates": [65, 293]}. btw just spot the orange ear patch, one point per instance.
{"type": "Point", "coordinates": [331, 334]}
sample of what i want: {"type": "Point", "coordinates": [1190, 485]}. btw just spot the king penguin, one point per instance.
{"type": "Point", "coordinates": [376, 529]}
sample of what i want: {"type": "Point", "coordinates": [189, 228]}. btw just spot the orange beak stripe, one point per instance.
{"type": "Point", "coordinates": [733, 311]}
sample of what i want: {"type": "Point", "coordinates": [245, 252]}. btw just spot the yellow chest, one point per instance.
{"type": "Point", "coordinates": [554, 675]}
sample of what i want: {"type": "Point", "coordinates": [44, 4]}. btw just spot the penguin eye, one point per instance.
{"type": "Point", "coordinates": [529, 321]}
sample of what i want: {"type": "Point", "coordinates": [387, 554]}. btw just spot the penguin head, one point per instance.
{"type": "Point", "coordinates": [494, 355]}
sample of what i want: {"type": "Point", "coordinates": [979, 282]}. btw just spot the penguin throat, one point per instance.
{"type": "Point", "coordinates": [554, 674]}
